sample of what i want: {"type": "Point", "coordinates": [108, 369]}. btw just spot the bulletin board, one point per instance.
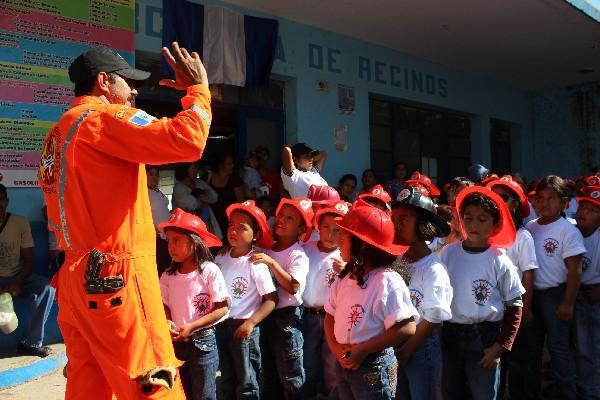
{"type": "Point", "coordinates": [38, 41]}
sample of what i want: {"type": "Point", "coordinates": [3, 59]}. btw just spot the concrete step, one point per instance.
{"type": "Point", "coordinates": [16, 369]}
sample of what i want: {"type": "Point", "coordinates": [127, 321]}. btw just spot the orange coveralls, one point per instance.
{"type": "Point", "coordinates": [94, 182]}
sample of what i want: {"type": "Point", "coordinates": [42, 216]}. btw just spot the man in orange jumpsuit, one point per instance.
{"type": "Point", "coordinates": [94, 182]}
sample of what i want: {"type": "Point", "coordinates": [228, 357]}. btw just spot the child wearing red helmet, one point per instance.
{"type": "Point", "coordinates": [281, 345]}
{"type": "Point", "coordinates": [486, 304]}
{"type": "Point", "coordinates": [253, 298]}
{"type": "Point", "coordinates": [559, 249]}
{"type": "Point", "coordinates": [321, 197]}
{"type": "Point", "coordinates": [587, 308]}
{"type": "Point", "coordinates": [369, 309]}
{"type": "Point", "coordinates": [323, 255]}
{"type": "Point", "coordinates": [377, 197]}
{"type": "Point", "coordinates": [517, 364]}
{"type": "Point", "coordinates": [195, 298]}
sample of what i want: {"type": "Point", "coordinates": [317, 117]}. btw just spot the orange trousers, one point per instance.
{"type": "Point", "coordinates": [112, 339]}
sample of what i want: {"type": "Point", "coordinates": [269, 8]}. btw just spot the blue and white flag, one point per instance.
{"type": "Point", "coordinates": [236, 49]}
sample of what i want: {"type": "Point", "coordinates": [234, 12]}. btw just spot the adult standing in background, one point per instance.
{"type": "Point", "coordinates": [94, 182]}
{"type": "Point", "coordinates": [159, 204]}
{"type": "Point", "coordinates": [228, 185]}
{"type": "Point", "coordinates": [270, 177]}
{"type": "Point", "coordinates": [395, 185]}
{"type": "Point", "coordinates": [195, 196]}
{"type": "Point", "coordinates": [347, 188]}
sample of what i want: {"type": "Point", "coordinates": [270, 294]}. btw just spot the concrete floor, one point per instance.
{"type": "Point", "coordinates": [49, 387]}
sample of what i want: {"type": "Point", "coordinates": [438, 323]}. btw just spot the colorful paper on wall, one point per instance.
{"type": "Point", "coordinates": [38, 41]}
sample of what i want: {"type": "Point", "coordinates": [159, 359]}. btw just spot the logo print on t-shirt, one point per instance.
{"type": "Point", "coordinates": [550, 246]}
{"type": "Point", "coordinates": [239, 287]}
{"type": "Point", "coordinates": [356, 314]}
{"type": "Point", "coordinates": [330, 277]}
{"type": "Point", "coordinates": [586, 262]}
{"type": "Point", "coordinates": [416, 297]}
{"type": "Point", "coordinates": [482, 291]}
{"type": "Point", "coordinates": [201, 303]}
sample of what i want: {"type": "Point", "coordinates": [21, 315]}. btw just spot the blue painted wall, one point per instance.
{"type": "Point", "coordinates": [560, 144]}
{"type": "Point", "coordinates": [306, 55]}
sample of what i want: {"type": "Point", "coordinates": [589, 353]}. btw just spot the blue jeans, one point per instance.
{"type": "Point", "coordinates": [282, 354]}
{"type": "Point", "coordinates": [462, 349]}
{"type": "Point", "coordinates": [199, 371]}
{"type": "Point", "coordinates": [559, 337]}
{"type": "Point", "coordinates": [587, 317]}
{"type": "Point", "coordinates": [38, 288]}
{"type": "Point", "coordinates": [319, 362]}
{"type": "Point", "coordinates": [520, 366]}
{"type": "Point", "coordinates": [375, 379]}
{"type": "Point", "coordinates": [239, 361]}
{"type": "Point", "coordinates": [419, 377]}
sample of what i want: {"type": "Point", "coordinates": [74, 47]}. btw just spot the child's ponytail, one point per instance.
{"type": "Point", "coordinates": [362, 254]}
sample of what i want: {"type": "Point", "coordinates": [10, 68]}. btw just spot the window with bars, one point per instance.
{"type": "Point", "coordinates": [435, 142]}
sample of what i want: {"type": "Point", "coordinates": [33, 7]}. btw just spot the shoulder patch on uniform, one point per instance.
{"type": "Point", "coordinates": [141, 118]}
{"type": "Point", "coordinates": [121, 112]}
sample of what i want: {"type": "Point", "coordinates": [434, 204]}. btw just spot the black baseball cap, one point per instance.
{"type": "Point", "coordinates": [102, 59]}
{"type": "Point", "coordinates": [300, 149]}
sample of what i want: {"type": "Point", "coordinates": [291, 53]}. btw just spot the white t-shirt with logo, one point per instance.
{"type": "Point", "coordinates": [572, 208]}
{"type": "Point", "coordinates": [553, 243]}
{"type": "Point", "coordinates": [191, 296]}
{"type": "Point", "coordinates": [482, 282]}
{"type": "Point", "coordinates": [522, 252]}
{"type": "Point", "coordinates": [247, 283]}
{"type": "Point", "coordinates": [295, 262]}
{"type": "Point", "coordinates": [430, 289]}
{"type": "Point", "coordinates": [298, 184]}
{"type": "Point", "coordinates": [591, 259]}
{"type": "Point", "coordinates": [320, 275]}
{"type": "Point", "coordinates": [362, 314]}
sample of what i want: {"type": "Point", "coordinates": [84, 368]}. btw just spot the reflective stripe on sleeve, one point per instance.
{"type": "Point", "coordinates": [62, 180]}
{"type": "Point", "coordinates": [201, 113]}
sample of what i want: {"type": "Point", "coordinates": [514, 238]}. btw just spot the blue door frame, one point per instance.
{"type": "Point", "coordinates": [246, 112]}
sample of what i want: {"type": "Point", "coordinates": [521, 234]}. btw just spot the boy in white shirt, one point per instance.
{"type": "Point", "coordinates": [253, 297]}
{"type": "Point", "coordinates": [301, 168]}
{"type": "Point", "coordinates": [283, 370]}
{"type": "Point", "coordinates": [486, 304]}
{"type": "Point", "coordinates": [587, 309]}
{"type": "Point", "coordinates": [319, 363]}
{"type": "Point", "coordinates": [517, 364]}
{"type": "Point", "coordinates": [559, 249]}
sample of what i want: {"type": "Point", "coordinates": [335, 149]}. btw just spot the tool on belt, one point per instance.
{"type": "Point", "coordinates": [93, 283]}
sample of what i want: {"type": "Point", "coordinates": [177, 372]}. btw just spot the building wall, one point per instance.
{"type": "Point", "coordinates": [306, 55]}
{"type": "Point", "coordinates": [566, 134]}
{"type": "Point", "coordinates": [542, 139]}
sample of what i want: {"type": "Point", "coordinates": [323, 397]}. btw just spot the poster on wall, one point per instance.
{"type": "Point", "coordinates": [38, 41]}
{"type": "Point", "coordinates": [340, 137]}
{"type": "Point", "coordinates": [346, 100]}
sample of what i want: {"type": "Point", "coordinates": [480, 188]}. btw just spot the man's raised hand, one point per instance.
{"type": "Point", "coordinates": [188, 68]}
